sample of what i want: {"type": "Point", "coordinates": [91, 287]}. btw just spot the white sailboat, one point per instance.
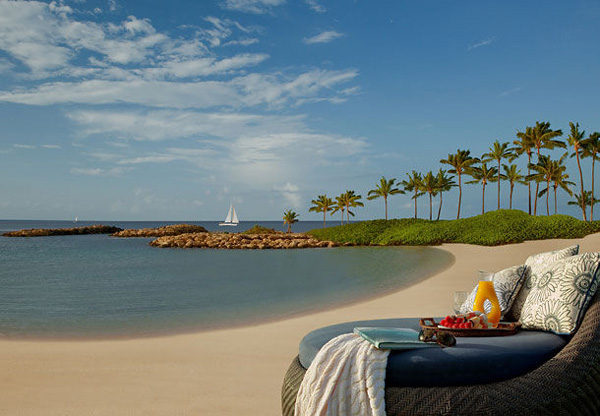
{"type": "Point", "coordinates": [232, 218]}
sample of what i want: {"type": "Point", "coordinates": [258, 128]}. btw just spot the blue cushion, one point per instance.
{"type": "Point", "coordinates": [474, 360]}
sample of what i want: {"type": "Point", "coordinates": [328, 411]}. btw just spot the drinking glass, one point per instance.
{"type": "Point", "coordinates": [459, 299]}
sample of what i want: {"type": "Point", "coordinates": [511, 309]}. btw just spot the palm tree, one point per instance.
{"type": "Point", "coordinates": [513, 175]}
{"type": "Point", "coordinates": [524, 145]}
{"type": "Point", "coordinates": [543, 138]}
{"type": "Point", "coordinates": [414, 184]}
{"type": "Point", "coordinates": [444, 183]}
{"type": "Point", "coordinates": [430, 185]}
{"type": "Point", "coordinates": [384, 189]}
{"type": "Point", "coordinates": [460, 162]}
{"type": "Point", "coordinates": [289, 218]}
{"type": "Point", "coordinates": [322, 204]}
{"type": "Point", "coordinates": [575, 139]}
{"type": "Point", "coordinates": [340, 205]}
{"type": "Point", "coordinates": [583, 202]}
{"type": "Point", "coordinates": [591, 149]}
{"type": "Point", "coordinates": [498, 152]}
{"type": "Point", "coordinates": [484, 175]}
{"type": "Point", "coordinates": [350, 199]}
{"type": "Point", "coordinates": [545, 170]}
{"type": "Point", "coordinates": [560, 179]}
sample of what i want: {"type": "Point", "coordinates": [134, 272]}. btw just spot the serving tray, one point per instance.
{"type": "Point", "coordinates": [504, 328]}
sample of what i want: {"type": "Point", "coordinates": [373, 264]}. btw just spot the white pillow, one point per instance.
{"type": "Point", "coordinates": [560, 293]}
{"type": "Point", "coordinates": [534, 264]}
{"type": "Point", "coordinates": [507, 283]}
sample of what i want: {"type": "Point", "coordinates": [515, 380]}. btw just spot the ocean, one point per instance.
{"type": "Point", "coordinates": [98, 286]}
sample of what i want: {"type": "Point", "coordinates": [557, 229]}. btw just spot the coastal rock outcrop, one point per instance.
{"type": "Point", "coordinates": [168, 230]}
{"type": "Point", "coordinates": [43, 232]}
{"type": "Point", "coordinates": [240, 241]}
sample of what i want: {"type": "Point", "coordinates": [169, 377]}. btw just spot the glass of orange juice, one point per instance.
{"type": "Point", "coordinates": [485, 291]}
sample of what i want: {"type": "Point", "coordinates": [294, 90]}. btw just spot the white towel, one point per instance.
{"type": "Point", "coordinates": [347, 377]}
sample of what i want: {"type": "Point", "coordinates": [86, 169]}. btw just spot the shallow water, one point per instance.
{"type": "Point", "coordinates": [99, 286]}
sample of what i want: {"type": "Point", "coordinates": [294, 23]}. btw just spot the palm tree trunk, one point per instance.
{"type": "Point", "coordinates": [459, 194]}
{"type": "Point", "coordinates": [512, 185]}
{"type": "Point", "coordinates": [440, 207]}
{"type": "Point", "coordinates": [385, 199]}
{"type": "Point", "coordinates": [537, 187]}
{"type": "Point", "coordinates": [430, 204]}
{"type": "Point", "coordinates": [581, 179]}
{"type": "Point", "coordinates": [555, 201]}
{"type": "Point", "coordinates": [415, 203]}
{"type": "Point", "coordinates": [483, 200]}
{"type": "Point", "coordinates": [498, 183]}
{"type": "Point", "coordinates": [324, 213]}
{"type": "Point", "coordinates": [547, 197]}
{"type": "Point", "coordinates": [529, 181]}
{"type": "Point", "coordinates": [592, 208]}
{"type": "Point", "coordinates": [342, 216]}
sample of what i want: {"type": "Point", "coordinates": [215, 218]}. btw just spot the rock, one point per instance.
{"type": "Point", "coordinates": [167, 230]}
{"type": "Point", "coordinates": [231, 241]}
{"type": "Point", "coordinates": [43, 232]}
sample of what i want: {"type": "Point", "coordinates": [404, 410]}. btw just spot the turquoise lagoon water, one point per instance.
{"type": "Point", "coordinates": [97, 286]}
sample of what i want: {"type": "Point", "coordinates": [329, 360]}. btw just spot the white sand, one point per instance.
{"type": "Point", "coordinates": [226, 372]}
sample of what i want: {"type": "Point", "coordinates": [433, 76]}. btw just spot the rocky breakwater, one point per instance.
{"type": "Point", "coordinates": [168, 230]}
{"type": "Point", "coordinates": [43, 232]}
{"type": "Point", "coordinates": [241, 241]}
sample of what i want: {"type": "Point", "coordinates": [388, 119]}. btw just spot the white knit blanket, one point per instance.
{"type": "Point", "coordinates": [347, 377]}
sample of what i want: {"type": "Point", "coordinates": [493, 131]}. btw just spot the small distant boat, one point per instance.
{"type": "Point", "coordinates": [76, 220]}
{"type": "Point", "coordinates": [232, 219]}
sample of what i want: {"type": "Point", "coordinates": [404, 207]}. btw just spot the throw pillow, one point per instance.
{"type": "Point", "coordinates": [560, 293]}
{"type": "Point", "coordinates": [506, 285]}
{"type": "Point", "coordinates": [534, 264]}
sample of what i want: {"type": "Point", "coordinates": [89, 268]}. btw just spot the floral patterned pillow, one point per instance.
{"type": "Point", "coordinates": [560, 293]}
{"type": "Point", "coordinates": [506, 285]}
{"type": "Point", "coordinates": [534, 264]}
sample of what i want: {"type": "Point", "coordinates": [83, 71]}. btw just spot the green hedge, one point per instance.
{"type": "Point", "coordinates": [490, 229]}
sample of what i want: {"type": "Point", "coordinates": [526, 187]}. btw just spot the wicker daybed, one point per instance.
{"type": "Point", "coordinates": [567, 384]}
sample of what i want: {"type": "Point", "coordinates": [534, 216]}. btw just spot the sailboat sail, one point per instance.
{"type": "Point", "coordinates": [232, 218]}
{"type": "Point", "coordinates": [235, 218]}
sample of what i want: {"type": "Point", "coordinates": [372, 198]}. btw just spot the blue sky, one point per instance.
{"type": "Point", "coordinates": [156, 110]}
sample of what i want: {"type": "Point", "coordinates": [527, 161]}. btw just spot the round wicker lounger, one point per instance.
{"type": "Point", "coordinates": [567, 384]}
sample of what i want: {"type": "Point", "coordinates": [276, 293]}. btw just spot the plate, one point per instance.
{"type": "Point", "coordinates": [504, 328]}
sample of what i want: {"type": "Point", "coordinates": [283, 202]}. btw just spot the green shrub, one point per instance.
{"type": "Point", "coordinates": [258, 229]}
{"type": "Point", "coordinates": [490, 229]}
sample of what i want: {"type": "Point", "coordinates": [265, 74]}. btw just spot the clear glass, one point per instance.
{"type": "Point", "coordinates": [459, 298]}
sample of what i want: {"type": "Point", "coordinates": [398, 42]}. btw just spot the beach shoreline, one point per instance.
{"type": "Point", "coordinates": [220, 372]}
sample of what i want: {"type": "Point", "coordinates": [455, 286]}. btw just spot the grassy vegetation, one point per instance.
{"type": "Point", "coordinates": [490, 229]}
{"type": "Point", "coordinates": [258, 229]}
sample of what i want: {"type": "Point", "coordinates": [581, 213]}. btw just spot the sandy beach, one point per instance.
{"type": "Point", "coordinates": [224, 372]}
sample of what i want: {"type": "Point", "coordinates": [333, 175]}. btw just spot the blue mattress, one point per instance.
{"type": "Point", "coordinates": [474, 360]}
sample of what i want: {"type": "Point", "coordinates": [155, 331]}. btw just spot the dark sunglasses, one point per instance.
{"type": "Point", "coordinates": [443, 338]}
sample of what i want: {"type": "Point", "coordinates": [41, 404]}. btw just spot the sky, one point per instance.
{"type": "Point", "coordinates": [153, 110]}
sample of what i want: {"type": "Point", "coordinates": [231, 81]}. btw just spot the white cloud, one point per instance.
{"type": "Point", "coordinates": [482, 43]}
{"type": "Point", "coordinates": [315, 6]}
{"type": "Point", "coordinates": [50, 146]}
{"type": "Point", "coordinates": [23, 146]}
{"type": "Point", "coordinates": [161, 125]}
{"type": "Point", "coordinates": [252, 6]}
{"type": "Point", "coordinates": [291, 194]}
{"type": "Point", "coordinates": [116, 171]}
{"type": "Point", "coordinates": [250, 90]}
{"type": "Point", "coordinates": [509, 92]}
{"type": "Point", "coordinates": [323, 37]}
{"type": "Point", "coordinates": [249, 152]}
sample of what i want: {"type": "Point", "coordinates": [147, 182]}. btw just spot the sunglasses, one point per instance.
{"type": "Point", "coordinates": [442, 338]}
